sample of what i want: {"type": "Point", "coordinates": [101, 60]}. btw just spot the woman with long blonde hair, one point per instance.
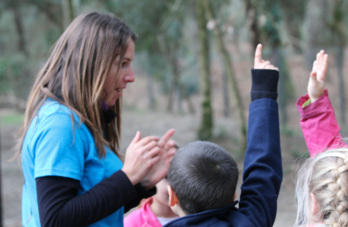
{"type": "Point", "coordinates": [322, 182]}
{"type": "Point", "coordinates": [69, 143]}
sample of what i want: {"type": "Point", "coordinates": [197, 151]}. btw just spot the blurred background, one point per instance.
{"type": "Point", "coordinates": [192, 68]}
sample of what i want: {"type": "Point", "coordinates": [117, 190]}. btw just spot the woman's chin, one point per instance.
{"type": "Point", "coordinates": [111, 102]}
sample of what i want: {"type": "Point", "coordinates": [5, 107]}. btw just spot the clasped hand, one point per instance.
{"type": "Point", "coordinates": [147, 160]}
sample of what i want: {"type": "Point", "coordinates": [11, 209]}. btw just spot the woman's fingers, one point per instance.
{"type": "Point", "coordinates": [153, 153]}
{"type": "Point", "coordinates": [136, 138]}
{"type": "Point", "coordinates": [149, 146]}
{"type": "Point", "coordinates": [169, 145]}
{"type": "Point", "coordinates": [146, 140]}
{"type": "Point", "coordinates": [172, 151]}
{"type": "Point", "coordinates": [163, 141]}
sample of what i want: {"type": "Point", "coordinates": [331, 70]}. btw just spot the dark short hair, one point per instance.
{"type": "Point", "coordinates": [203, 176]}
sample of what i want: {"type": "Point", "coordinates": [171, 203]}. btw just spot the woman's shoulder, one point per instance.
{"type": "Point", "coordinates": [52, 108]}
{"type": "Point", "coordinates": [53, 114]}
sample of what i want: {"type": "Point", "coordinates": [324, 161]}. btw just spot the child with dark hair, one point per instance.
{"type": "Point", "coordinates": [202, 176]}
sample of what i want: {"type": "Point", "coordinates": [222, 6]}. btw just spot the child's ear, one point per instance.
{"type": "Point", "coordinates": [314, 205]}
{"type": "Point", "coordinates": [172, 197]}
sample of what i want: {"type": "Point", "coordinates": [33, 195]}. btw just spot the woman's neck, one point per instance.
{"type": "Point", "coordinates": [161, 210]}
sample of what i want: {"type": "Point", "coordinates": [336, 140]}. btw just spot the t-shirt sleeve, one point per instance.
{"type": "Point", "coordinates": [59, 147]}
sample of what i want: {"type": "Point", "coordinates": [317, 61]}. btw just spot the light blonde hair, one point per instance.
{"type": "Point", "coordinates": [75, 72]}
{"type": "Point", "coordinates": [326, 176]}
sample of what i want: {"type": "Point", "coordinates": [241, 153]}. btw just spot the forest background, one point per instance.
{"type": "Point", "coordinates": [192, 68]}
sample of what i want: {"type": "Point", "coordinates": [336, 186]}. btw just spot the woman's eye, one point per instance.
{"type": "Point", "coordinates": [123, 64]}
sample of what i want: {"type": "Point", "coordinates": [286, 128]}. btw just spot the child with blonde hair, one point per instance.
{"type": "Point", "coordinates": [322, 184]}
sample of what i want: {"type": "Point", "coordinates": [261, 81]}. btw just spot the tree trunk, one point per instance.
{"type": "Point", "coordinates": [170, 96]}
{"type": "Point", "coordinates": [205, 131]}
{"type": "Point", "coordinates": [68, 11]}
{"type": "Point", "coordinates": [231, 75]}
{"type": "Point", "coordinates": [315, 21]}
{"type": "Point", "coordinates": [148, 69]}
{"type": "Point", "coordinates": [339, 60]}
{"type": "Point", "coordinates": [285, 86]}
{"type": "Point", "coordinates": [71, 10]}
{"type": "Point", "coordinates": [254, 28]}
{"type": "Point", "coordinates": [187, 98]}
{"type": "Point", "coordinates": [176, 78]}
{"type": "Point", "coordinates": [337, 24]}
{"type": "Point", "coordinates": [225, 94]}
{"type": "Point", "coordinates": [273, 37]}
{"type": "Point", "coordinates": [19, 27]}
{"type": "Point", "coordinates": [1, 206]}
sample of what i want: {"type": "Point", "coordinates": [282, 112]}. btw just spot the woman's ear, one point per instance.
{"type": "Point", "coordinates": [172, 197]}
{"type": "Point", "coordinates": [315, 207]}
{"type": "Point", "coordinates": [234, 197]}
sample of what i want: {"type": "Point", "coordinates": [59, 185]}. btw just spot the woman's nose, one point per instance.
{"type": "Point", "coordinates": [129, 78]}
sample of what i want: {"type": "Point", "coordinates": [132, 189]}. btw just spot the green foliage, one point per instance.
{"type": "Point", "coordinates": [296, 153]}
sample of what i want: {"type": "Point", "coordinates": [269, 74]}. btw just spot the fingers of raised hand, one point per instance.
{"type": "Point", "coordinates": [315, 65]}
{"type": "Point", "coordinates": [267, 65]}
{"type": "Point", "coordinates": [319, 59]}
{"type": "Point", "coordinates": [324, 66]}
{"type": "Point", "coordinates": [313, 75]}
{"type": "Point", "coordinates": [258, 56]}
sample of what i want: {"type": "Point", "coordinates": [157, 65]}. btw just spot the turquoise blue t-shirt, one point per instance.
{"type": "Point", "coordinates": [54, 147]}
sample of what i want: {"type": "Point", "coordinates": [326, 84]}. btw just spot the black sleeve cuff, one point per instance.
{"type": "Point", "coordinates": [264, 84]}
{"type": "Point", "coordinates": [143, 193]}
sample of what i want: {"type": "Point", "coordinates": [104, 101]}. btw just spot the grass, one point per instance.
{"type": "Point", "coordinates": [12, 119]}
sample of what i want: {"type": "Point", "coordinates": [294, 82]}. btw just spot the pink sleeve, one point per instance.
{"type": "Point", "coordinates": [319, 125]}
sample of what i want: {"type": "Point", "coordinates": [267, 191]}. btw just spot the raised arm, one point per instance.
{"type": "Point", "coordinates": [318, 120]}
{"type": "Point", "coordinates": [262, 163]}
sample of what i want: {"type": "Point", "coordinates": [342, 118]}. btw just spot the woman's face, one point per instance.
{"type": "Point", "coordinates": [111, 92]}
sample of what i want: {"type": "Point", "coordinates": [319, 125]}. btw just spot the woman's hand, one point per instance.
{"type": "Point", "coordinates": [262, 64]}
{"type": "Point", "coordinates": [160, 169]}
{"type": "Point", "coordinates": [316, 84]}
{"type": "Point", "coordinates": [141, 157]}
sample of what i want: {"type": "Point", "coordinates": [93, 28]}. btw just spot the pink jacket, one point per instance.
{"type": "Point", "coordinates": [143, 217]}
{"type": "Point", "coordinates": [319, 124]}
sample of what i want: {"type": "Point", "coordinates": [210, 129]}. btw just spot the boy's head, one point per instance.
{"type": "Point", "coordinates": [202, 176]}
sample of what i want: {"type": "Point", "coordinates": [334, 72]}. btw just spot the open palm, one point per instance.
{"type": "Point", "coordinates": [316, 84]}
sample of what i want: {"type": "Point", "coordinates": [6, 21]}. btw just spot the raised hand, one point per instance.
{"type": "Point", "coordinates": [259, 63]}
{"type": "Point", "coordinates": [141, 156]}
{"type": "Point", "coordinates": [316, 84]}
{"type": "Point", "coordinates": [160, 169]}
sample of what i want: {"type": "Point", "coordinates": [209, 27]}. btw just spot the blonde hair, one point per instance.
{"type": "Point", "coordinates": [326, 176]}
{"type": "Point", "coordinates": [75, 73]}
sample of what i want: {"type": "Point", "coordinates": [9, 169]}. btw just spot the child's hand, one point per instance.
{"type": "Point", "coordinates": [262, 64]}
{"type": "Point", "coordinates": [316, 84]}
